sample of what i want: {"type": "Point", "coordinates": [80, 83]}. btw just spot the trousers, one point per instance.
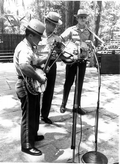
{"type": "Point", "coordinates": [30, 106]}
{"type": "Point", "coordinates": [48, 94]}
{"type": "Point", "coordinates": [70, 75]}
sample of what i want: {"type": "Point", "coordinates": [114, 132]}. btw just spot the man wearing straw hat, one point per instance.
{"type": "Point", "coordinates": [26, 61]}
{"type": "Point", "coordinates": [78, 34]}
{"type": "Point", "coordinates": [52, 21]}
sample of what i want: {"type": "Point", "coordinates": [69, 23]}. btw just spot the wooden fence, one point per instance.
{"type": "Point", "coordinates": [8, 42]}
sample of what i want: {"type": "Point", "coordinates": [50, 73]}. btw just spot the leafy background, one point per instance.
{"type": "Point", "coordinates": [104, 16]}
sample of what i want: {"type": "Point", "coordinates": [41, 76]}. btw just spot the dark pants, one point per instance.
{"type": "Point", "coordinates": [30, 105]}
{"type": "Point", "coordinates": [71, 71]}
{"type": "Point", "coordinates": [48, 94]}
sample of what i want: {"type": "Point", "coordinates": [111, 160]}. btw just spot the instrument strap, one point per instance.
{"type": "Point", "coordinates": [22, 75]}
{"type": "Point", "coordinates": [27, 83]}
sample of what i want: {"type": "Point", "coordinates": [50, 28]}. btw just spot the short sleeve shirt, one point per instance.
{"type": "Point", "coordinates": [44, 46]}
{"type": "Point", "coordinates": [24, 54]}
{"type": "Point", "coordinates": [75, 34]}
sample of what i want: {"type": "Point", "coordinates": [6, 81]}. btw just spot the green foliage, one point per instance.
{"type": "Point", "coordinates": [109, 16]}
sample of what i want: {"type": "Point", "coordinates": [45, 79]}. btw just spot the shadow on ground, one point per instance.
{"type": "Point", "coordinates": [56, 147]}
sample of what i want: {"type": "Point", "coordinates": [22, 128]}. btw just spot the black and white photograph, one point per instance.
{"type": "Point", "coordinates": [59, 81]}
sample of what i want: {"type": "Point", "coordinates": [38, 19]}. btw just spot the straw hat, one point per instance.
{"type": "Point", "coordinates": [54, 17]}
{"type": "Point", "coordinates": [81, 12]}
{"type": "Point", "coordinates": [36, 26]}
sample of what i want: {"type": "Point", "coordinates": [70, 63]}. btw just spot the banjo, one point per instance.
{"type": "Point", "coordinates": [33, 86]}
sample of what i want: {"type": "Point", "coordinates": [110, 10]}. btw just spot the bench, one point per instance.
{"type": "Point", "coordinates": [6, 55]}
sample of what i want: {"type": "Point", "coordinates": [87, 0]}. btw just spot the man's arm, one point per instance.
{"type": "Point", "coordinates": [41, 60]}
{"type": "Point", "coordinates": [66, 35]}
{"type": "Point", "coordinates": [29, 71]}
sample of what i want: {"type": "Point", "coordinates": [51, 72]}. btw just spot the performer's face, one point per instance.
{"type": "Point", "coordinates": [50, 26]}
{"type": "Point", "coordinates": [35, 39]}
{"type": "Point", "coordinates": [82, 19]}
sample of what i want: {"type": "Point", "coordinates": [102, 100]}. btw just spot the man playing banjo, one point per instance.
{"type": "Point", "coordinates": [26, 61]}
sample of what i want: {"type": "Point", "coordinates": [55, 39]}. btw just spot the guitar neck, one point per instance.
{"type": "Point", "coordinates": [49, 58]}
{"type": "Point", "coordinates": [47, 62]}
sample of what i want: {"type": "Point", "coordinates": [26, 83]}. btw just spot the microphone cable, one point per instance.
{"type": "Point", "coordinates": [80, 139]}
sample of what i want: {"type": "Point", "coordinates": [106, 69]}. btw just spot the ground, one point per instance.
{"type": "Point", "coordinates": [56, 147]}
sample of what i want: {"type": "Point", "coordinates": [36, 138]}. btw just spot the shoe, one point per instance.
{"type": "Point", "coordinates": [32, 151]}
{"type": "Point", "coordinates": [47, 120]}
{"type": "Point", "coordinates": [81, 111]}
{"type": "Point", "coordinates": [62, 109]}
{"type": "Point", "coordinates": [39, 138]}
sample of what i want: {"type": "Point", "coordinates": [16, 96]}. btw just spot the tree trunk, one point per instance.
{"type": "Point", "coordinates": [68, 13]}
{"type": "Point", "coordinates": [1, 15]}
{"type": "Point", "coordinates": [71, 9]}
{"type": "Point", "coordinates": [76, 7]}
{"type": "Point", "coordinates": [97, 22]}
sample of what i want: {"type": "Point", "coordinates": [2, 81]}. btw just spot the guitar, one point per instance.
{"type": "Point", "coordinates": [74, 51]}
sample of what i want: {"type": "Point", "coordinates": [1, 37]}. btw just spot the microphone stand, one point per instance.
{"type": "Point", "coordinates": [75, 109]}
{"type": "Point", "coordinates": [76, 103]}
{"type": "Point", "coordinates": [96, 157]}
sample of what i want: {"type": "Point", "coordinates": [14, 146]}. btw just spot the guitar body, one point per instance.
{"type": "Point", "coordinates": [72, 50]}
